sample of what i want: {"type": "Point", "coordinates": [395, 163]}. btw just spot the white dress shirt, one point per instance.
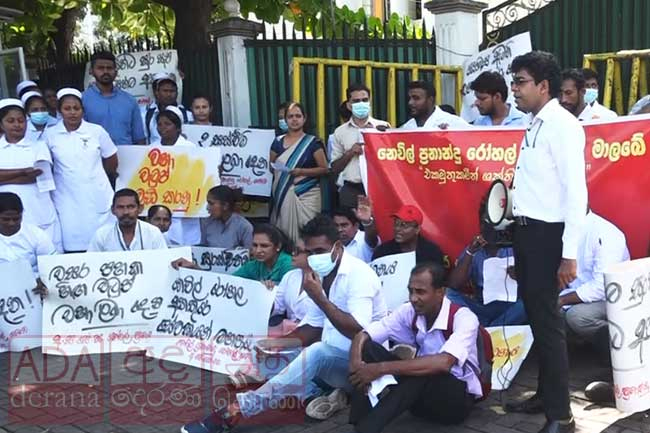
{"type": "Point", "coordinates": [183, 231]}
{"type": "Point", "coordinates": [109, 237]}
{"type": "Point", "coordinates": [550, 182]}
{"type": "Point", "coordinates": [601, 244]}
{"type": "Point", "coordinates": [437, 118]}
{"type": "Point", "coordinates": [83, 194]}
{"type": "Point", "coordinates": [596, 111]}
{"type": "Point", "coordinates": [356, 290]}
{"type": "Point", "coordinates": [290, 298]}
{"type": "Point", "coordinates": [359, 248]}
{"type": "Point", "coordinates": [28, 243]}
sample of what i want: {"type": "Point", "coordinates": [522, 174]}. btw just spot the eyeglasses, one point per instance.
{"type": "Point", "coordinates": [520, 81]}
{"type": "Point", "coordinates": [398, 224]}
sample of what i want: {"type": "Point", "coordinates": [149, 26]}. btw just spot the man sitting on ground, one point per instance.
{"type": "Point", "coordinates": [128, 233]}
{"type": "Point", "coordinates": [469, 269]}
{"type": "Point", "coordinates": [407, 224]}
{"type": "Point", "coordinates": [361, 244]}
{"type": "Point", "coordinates": [439, 383]}
{"type": "Point", "coordinates": [346, 297]}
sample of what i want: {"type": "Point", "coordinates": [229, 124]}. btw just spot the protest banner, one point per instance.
{"type": "Point", "coordinates": [135, 73]}
{"type": "Point", "coordinates": [446, 173]}
{"type": "Point", "coordinates": [496, 58]}
{"type": "Point", "coordinates": [178, 177]}
{"type": "Point", "coordinates": [97, 299]}
{"type": "Point", "coordinates": [394, 272]}
{"type": "Point", "coordinates": [510, 345]}
{"type": "Point", "coordinates": [20, 308]}
{"type": "Point", "coordinates": [205, 312]}
{"type": "Point", "coordinates": [220, 260]}
{"type": "Point", "coordinates": [627, 292]}
{"type": "Point", "coordinates": [245, 155]}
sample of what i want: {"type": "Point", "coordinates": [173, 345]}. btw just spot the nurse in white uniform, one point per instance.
{"type": "Point", "coordinates": [84, 156]}
{"type": "Point", "coordinates": [18, 156]}
{"type": "Point", "coordinates": [183, 231]}
{"type": "Point", "coordinates": [38, 118]}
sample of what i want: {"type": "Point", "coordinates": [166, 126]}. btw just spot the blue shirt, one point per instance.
{"type": "Point", "coordinates": [514, 118]}
{"type": "Point", "coordinates": [476, 272]}
{"type": "Point", "coordinates": [118, 113]}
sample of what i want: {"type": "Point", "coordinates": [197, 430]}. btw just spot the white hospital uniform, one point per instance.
{"type": "Point", "coordinates": [38, 206]}
{"type": "Point", "coordinates": [28, 243]}
{"type": "Point", "coordinates": [83, 194]}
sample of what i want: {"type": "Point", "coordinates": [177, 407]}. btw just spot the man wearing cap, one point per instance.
{"type": "Point", "coordinates": [26, 86]}
{"type": "Point", "coordinates": [165, 90]}
{"type": "Point", "coordinates": [407, 224]}
{"type": "Point", "coordinates": [109, 106]}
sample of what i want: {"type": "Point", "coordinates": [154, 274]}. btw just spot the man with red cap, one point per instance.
{"type": "Point", "coordinates": [407, 222]}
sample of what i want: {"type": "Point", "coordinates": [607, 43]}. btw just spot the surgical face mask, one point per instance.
{"type": "Point", "coordinates": [283, 125]}
{"type": "Point", "coordinates": [322, 264]}
{"type": "Point", "coordinates": [39, 118]}
{"type": "Point", "coordinates": [360, 110]}
{"type": "Point", "coordinates": [591, 95]}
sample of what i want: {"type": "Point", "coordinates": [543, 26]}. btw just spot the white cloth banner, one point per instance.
{"type": "Point", "coordinates": [394, 272]}
{"type": "Point", "coordinates": [20, 308]}
{"type": "Point", "coordinates": [135, 73]}
{"type": "Point", "coordinates": [221, 260]}
{"type": "Point", "coordinates": [104, 302]}
{"type": "Point", "coordinates": [627, 292]}
{"type": "Point", "coordinates": [497, 284]}
{"type": "Point", "coordinates": [497, 58]}
{"type": "Point", "coordinates": [245, 155]}
{"type": "Point", "coordinates": [510, 345]}
{"type": "Point", "coordinates": [212, 320]}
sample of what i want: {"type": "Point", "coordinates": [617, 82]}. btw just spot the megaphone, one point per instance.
{"type": "Point", "coordinates": [499, 205]}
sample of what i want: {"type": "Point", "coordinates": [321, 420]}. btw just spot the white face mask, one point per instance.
{"type": "Point", "coordinates": [591, 95]}
{"type": "Point", "coordinates": [322, 264]}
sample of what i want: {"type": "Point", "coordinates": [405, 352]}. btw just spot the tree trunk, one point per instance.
{"type": "Point", "coordinates": [192, 23]}
{"type": "Point", "coordinates": [64, 34]}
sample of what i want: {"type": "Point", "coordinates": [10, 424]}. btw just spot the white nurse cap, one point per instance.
{"type": "Point", "coordinates": [24, 85]}
{"type": "Point", "coordinates": [68, 91]}
{"type": "Point", "coordinates": [175, 110]}
{"type": "Point", "coordinates": [30, 94]}
{"type": "Point", "coordinates": [10, 102]}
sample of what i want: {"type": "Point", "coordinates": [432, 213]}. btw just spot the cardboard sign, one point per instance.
{"type": "Point", "coordinates": [178, 177]}
{"type": "Point", "coordinates": [511, 345]}
{"type": "Point", "coordinates": [220, 260]}
{"type": "Point", "coordinates": [394, 272]}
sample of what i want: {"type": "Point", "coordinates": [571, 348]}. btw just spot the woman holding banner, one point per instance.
{"type": "Point", "coordinates": [84, 157]}
{"type": "Point", "coordinates": [299, 164]}
{"type": "Point", "coordinates": [183, 231]}
{"type": "Point", "coordinates": [22, 161]}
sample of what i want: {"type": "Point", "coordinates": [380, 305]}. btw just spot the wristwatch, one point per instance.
{"type": "Point", "coordinates": [369, 223]}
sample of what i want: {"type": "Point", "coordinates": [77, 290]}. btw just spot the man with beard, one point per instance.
{"type": "Point", "coordinates": [491, 94]}
{"type": "Point", "coordinates": [128, 233]}
{"type": "Point", "coordinates": [109, 106]}
{"type": "Point", "coordinates": [572, 94]}
{"type": "Point", "coordinates": [423, 110]}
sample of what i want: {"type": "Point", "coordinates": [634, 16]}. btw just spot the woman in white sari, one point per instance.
{"type": "Point", "coordinates": [296, 196]}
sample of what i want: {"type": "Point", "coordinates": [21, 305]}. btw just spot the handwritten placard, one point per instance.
{"type": "Point", "coordinates": [111, 298]}
{"type": "Point", "coordinates": [178, 177]}
{"type": "Point", "coordinates": [221, 260]}
{"type": "Point", "coordinates": [20, 309]}
{"type": "Point", "coordinates": [394, 272]}
{"type": "Point", "coordinates": [135, 72]}
{"type": "Point", "coordinates": [245, 155]}
{"type": "Point", "coordinates": [627, 292]}
{"type": "Point", "coordinates": [203, 314]}
{"type": "Point", "coordinates": [511, 345]}
{"type": "Point", "coordinates": [496, 58]}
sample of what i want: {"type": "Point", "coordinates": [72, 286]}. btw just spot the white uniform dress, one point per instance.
{"type": "Point", "coordinates": [83, 192]}
{"type": "Point", "coordinates": [38, 206]}
{"type": "Point", "coordinates": [183, 231]}
{"type": "Point", "coordinates": [28, 243]}
{"type": "Point", "coordinates": [109, 238]}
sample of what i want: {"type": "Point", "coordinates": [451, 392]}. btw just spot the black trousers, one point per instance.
{"type": "Point", "coordinates": [441, 398]}
{"type": "Point", "coordinates": [538, 252]}
{"type": "Point", "coordinates": [348, 194]}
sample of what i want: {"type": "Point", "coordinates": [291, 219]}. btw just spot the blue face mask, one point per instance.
{"type": "Point", "coordinates": [39, 118]}
{"type": "Point", "coordinates": [322, 264]}
{"type": "Point", "coordinates": [361, 110]}
{"type": "Point", "coordinates": [591, 95]}
{"type": "Point", "coordinates": [283, 125]}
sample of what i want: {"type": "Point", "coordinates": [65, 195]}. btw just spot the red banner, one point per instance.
{"type": "Point", "coordinates": [446, 173]}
